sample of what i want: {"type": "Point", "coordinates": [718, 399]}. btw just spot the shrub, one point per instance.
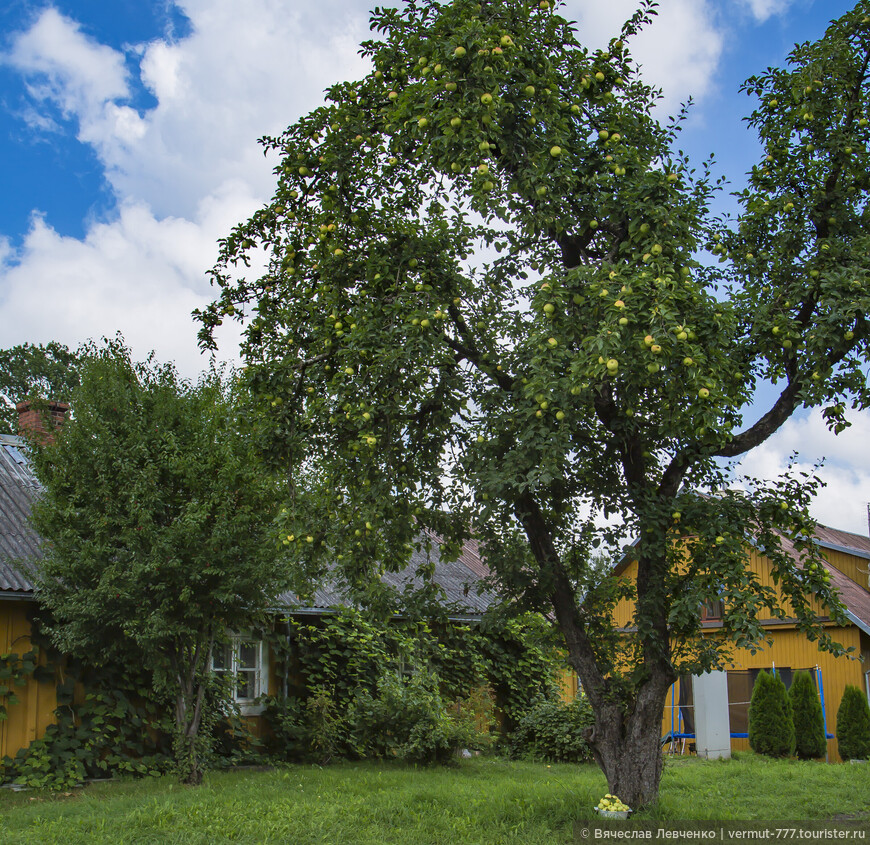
{"type": "Point", "coordinates": [290, 733]}
{"type": "Point", "coordinates": [553, 731]}
{"type": "Point", "coordinates": [408, 719]}
{"type": "Point", "coordinates": [853, 725]}
{"type": "Point", "coordinates": [771, 726]}
{"type": "Point", "coordinates": [809, 724]}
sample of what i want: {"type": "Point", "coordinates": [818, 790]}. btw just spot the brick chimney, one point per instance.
{"type": "Point", "coordinates": [33, 415]}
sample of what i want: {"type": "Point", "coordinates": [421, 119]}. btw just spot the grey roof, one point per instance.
{"type": "Point", "coordinates": [18, 541]}
{"type": "Point", "coordinates": [459, 580]}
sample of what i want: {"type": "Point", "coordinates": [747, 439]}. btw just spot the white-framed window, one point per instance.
{"type": "Point", "coordinates": [242, 659]}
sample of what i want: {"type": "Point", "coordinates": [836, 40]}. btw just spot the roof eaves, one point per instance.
{"type": "Point", "coordinates": [834, 547]}
{"type": "Point", "coordinates": [859, 623]}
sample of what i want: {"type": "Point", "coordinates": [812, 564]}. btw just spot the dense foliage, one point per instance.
{"type": "Point", "coordinates": [771, 724]}
{"type": "Point", "coordinates": [486, 302]}
{"type": "Point", "coordinates": [853, 725]}
{"type": "Point", "coordinates": [554, 731]}
{"type": "Point", "coordinates": [34, 371]}
{"type": "Point", "coordinates": [809, 722]}
{"type": "Point", "coordinates": [357, 687]}
{"type": "Point", "coordinates": [157, 526]}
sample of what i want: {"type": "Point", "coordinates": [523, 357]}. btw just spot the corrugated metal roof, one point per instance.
{"type": "Point", "coordinates": [459, 581]}
{"type": "Point", "coordinates": [18, 541]}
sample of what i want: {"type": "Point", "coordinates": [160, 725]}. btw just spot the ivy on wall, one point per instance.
{"type": "Point", "coordinates": [15, 669]}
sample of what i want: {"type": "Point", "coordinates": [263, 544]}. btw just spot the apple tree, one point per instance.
{"type": "Point", "coordinates": [157, 528]}
{"type": "Point", "coordinates": [487, 303]}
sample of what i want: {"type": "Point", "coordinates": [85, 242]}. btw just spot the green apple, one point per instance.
{"type": "Point", "coordinates": [612, 365]}
{"type": "Point", "coordinates": [483, 169]}
{"type": "Point", "coordinates": [506, 41]}
{"type": "Point", "coordinates": [549, 308]}
{"type": "Point", "coordinates": [555, 151]}
{"type": "Point", "coordinates": [450, 86]}
{"type": "Point", "coordinates": [423, 122]}
{"type": "Point", "coordinates": [623, 321]}
{"type": "Point", "coordinates": [486, 99]}
{"type": "Point", "coordinates": [704, 393]}
{"type": "Point", "coordinates": [599, 76]}
{"type": "Point", "coordinates": [541, 191]}
{"type": "Point", "coordinates": [459, 52]}
{"type": "Point", "coordinates": [455, 122]}
{"type": "Point", "coordinates": [393, 95]}
{"type": "Point", "coordinates": [530, 90]}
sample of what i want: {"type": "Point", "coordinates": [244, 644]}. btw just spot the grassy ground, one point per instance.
{"type": "Point", "coordinates": [481, 801]}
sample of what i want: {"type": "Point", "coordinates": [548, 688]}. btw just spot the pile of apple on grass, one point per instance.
{"type": "Point", "coordinates": [484, 799]}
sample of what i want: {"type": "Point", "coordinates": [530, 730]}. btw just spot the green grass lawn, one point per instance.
{"type": "Point", "coordinates": [481, 801]}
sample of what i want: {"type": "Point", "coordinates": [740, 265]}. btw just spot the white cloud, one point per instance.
{"type": "Point", "coordinates": [679, 52]}
{"type": "Point", "coordinates": [763, 9]}
{"type": "Point", "coordinates": [137, 275]}
{"type": "Point", "coordinates": [76, 72]}
{"type": "Point", "coordinates": [843, 502]}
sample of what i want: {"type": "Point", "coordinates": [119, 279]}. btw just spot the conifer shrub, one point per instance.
{"type": "Point", "coordinates": [809, 724]}
{"type": "Point", "coordinates": [771, 727]}
{"type": "Point", "coordinates": [853, 725]}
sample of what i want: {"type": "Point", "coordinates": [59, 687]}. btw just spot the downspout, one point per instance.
{"type": "Point", "coordinates": [285, 680]}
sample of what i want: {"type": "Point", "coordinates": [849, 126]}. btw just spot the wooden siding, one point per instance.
{"type": "Point", "coordinates": [851, 566]}
{"type": "Point", "coordinates": [34, 712]}
{"type": "Point", "coordinates": [791, 650]}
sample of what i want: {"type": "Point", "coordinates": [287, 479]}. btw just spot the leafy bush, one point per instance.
{"type": "Point", "coordinates": [408, 719]}
{"type": "Point", "coordinates": [809, 724]}
{"type": "Point", "coordinates": [554, 731]}
{"type": "Point", "coordinates": [853, 725]}
{"type": "Point", "coordinates": [290, 732]}
{"type": "Point", "coordinates": [771, 725]}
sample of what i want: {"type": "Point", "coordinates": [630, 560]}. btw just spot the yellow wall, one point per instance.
{"type": "Point", "coordinates": [34, 712]}
{"type": "Point", "coordinates": [854, 567]}
{"type": "Point", "coordinates": [792, 650]}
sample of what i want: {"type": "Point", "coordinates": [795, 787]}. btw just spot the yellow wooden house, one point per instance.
{"type": "Point", "coordinates": [847, 559]}
{"type": "Point", "coordinates": [26, 720]}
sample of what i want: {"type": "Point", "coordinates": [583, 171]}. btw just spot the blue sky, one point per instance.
{"type": "Point", "coordinates": [128, 147]}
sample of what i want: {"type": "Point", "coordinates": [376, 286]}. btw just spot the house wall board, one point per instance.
{"type": "Point", "coordinates": [28, 719]}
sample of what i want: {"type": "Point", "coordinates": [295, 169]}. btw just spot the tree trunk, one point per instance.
{"type": "Point", "coordinates": [628, 748]}
{"type": "Point", "coordinates": [188, 714]}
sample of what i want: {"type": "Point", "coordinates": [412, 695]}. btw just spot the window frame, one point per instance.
{"type": "Point", "coordinates": [248, 706]}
